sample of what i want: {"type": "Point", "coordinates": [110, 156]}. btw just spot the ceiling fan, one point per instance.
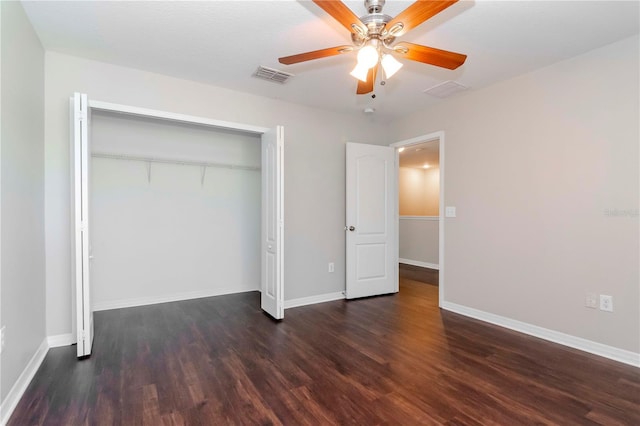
{"type": "Point", "coordinates": [373, 36]}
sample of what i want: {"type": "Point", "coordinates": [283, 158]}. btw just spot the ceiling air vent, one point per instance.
{"type": "Point", "coordinates": [446, 89]}
{"type": "Point", "coordinates": [270, 74]}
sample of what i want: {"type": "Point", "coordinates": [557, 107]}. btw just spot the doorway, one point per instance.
{"type": "Point", "coordinates": [420, 177]}
{"type": "Point", "coordinates": [269, 220]}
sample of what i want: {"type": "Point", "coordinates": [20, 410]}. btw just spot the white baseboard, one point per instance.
{"type": "Point", "coordinates": [60, 340]}
{"type": "Point", "coordinates": [606, 351]}
{"type": "Point", "coordinates": [311, 300]}
{"type": "Point", "coordinates": [20, 386]}
{"type": "Point", "coordinates": [419, 263]}
{"type": "Point", "coordinates": [142, 301]}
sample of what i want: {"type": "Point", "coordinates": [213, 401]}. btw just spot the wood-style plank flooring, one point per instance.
{"type": "Point", "coordinates": [417, 273]}
{"type": "Point", "coordinates": [393, 359]}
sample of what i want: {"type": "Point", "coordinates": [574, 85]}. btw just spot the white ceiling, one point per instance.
{"type": "Point", "coordinates": [223, 42]}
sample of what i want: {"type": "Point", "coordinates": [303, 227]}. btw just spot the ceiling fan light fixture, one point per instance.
{"type": "Point", "coordinates": [368, 56]}
{"type": "Point", "coordinates": [360, 72]}
{"type": "Point", "coordinates": [390, 65]}
{"type": "Point", "coordinates": [374, 35]}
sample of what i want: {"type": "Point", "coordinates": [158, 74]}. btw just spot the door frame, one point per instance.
{"type": "Point", "coordinates": [439, 136]}
{"type": "Point", "coordinates": [96, 105]}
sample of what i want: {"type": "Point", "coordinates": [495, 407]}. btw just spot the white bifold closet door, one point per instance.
{"type": "Point", "coordinates": [81, 169]}
{"type": "Point", "coordinates": [272, 283]}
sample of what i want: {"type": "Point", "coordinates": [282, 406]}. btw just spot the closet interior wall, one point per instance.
{"type": "Point", "coordinates": [175, 210]}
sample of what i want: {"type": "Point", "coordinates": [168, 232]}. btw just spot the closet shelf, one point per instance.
{"type": "Point", "coordinates": [170, 161]}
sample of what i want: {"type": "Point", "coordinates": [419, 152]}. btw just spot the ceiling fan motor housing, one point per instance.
{"type": "Point", "coordinates": [375, 21]}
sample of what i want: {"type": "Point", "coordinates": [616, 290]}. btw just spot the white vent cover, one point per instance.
{"type": "Point", "coordinates": [270, 74]}
{"type": "Point", "coordinates": [446, 89]}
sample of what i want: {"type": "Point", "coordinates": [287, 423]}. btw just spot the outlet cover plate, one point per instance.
{"type": "Point", "coordinates": [450, 211]}
{"type": "Point", "coordinates": [606, 303]}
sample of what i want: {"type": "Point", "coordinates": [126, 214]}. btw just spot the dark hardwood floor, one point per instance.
{"type": "Point", "coordinates": [417, 273]}
{"type": "Point", "coordinates": [384, 360]}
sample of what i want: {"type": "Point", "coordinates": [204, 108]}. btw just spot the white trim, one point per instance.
{"type": "Point", "coordinates": [419, 263]}
{"type": "Point", "coordinates": [606, 351]}
{"type": "Point", "coordinates": [431, 218]}
{"type": "Point", "coordinates": [418, 139]}
{"type": "Point", "coordinates": [312, 300]}
{"type": "Point", "coordinates": [20, 386]}
{"type": "Point", "coordinates": [172, 116]}
{"type": "Point", "coordinates": [421, 139]}
{"type": "Point", "coordinates": [143, 301]}
{"type": "Point", "coordinates": [61, 340]}
{"type": "Point", "coordinates": [441, 286]}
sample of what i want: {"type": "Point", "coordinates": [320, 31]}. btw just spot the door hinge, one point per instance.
{"type": "Point", "coordinates": [82, 335]}
{"type": "Point", "coordinates": [83, 226]}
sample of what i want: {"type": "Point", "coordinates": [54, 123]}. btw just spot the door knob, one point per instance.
{"type": "Point", "coordinates": [352, 228]}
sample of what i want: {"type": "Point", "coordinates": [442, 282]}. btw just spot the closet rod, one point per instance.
{"type": "Point", "coordinates": [167, 161]}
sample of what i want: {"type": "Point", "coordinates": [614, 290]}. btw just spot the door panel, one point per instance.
{"type": "Point", "coordinates": [372, 266]}
{"type": "Point", "coordinates": [82, 243]}
{"type": "Point", "coordinates": [272, 285]}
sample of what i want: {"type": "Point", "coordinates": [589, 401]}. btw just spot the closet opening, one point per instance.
{"type": "Point", "coordinates": [175, 211]}
{"type": "Point", "coordinates": [171, 207]}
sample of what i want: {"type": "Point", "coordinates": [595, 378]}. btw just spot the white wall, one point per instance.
{"type": "Point", "coordinates": [418, 240]}
{"type": "Point", "coordinates": [313, 163]}
{"type": "Point", "coordinates": [22, 194]}
{"type": "Point", "coordinates": [174, 235]}
{"type": "Point", "coordinates": [535, 166]}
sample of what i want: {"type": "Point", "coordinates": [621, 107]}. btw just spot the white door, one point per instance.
{"type": "Point", "coordinates": [372, 255]}
{"type": "Point", "coordinates": [81, 243]}
{"type": "Point", "coordinates": [272, 282]}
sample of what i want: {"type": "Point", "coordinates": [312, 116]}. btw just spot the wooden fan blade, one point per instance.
{"type": "Point", "coordinates": [416, 14]}
{"type": "Point", "coordinates": [316, 54]}
{"type": "Point", "coordinates": [430, 55]}
{"type": "Point", "coordinates": [367, 87]}
{"type": "Point", "coordinates": [341, 13]}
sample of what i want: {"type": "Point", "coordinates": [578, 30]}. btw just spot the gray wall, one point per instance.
{"type": "Point", "coordinates": [418, 239]}
{"type": "Point", "coordinates": [313, 167]}
{"type": "Point", "coordinates": [22, 193]}
{"type": "Point", "coordinates": [543, 170]}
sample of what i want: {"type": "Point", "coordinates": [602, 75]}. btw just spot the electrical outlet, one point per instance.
{"type": "Point", "coordinates": [332, 267]}
{"type": "Point", "coordinates": [2, 338]}
{"type": "Point", "coordinates": [591, 300]}
{"type": "Point", "coordinates": [606, 303]}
